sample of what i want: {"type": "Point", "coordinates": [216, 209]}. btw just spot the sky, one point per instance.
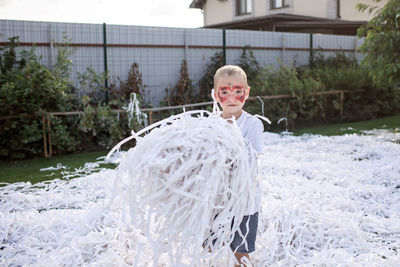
{"type": "Point", "coordinates": [165, 13]}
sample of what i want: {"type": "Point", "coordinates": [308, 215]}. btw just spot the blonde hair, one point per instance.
{"type": "Point", "coordinates": [230, 70]}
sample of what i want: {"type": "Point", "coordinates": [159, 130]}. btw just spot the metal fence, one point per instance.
{"type": "Point", "coordinates": [159, 51]}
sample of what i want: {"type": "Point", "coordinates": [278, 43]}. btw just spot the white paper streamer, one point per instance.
{"type": "Point", "coordinates": [332, 201]}
{"type": "Point", "coordinates": [180, 177]}
{"type": "Point", "coordinates": [59, 166]}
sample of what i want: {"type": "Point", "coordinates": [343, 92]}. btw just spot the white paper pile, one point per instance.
{"type": "Point", "coordinates": [331, 201]}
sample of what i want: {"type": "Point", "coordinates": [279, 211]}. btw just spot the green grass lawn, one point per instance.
{"type": "Point", "coordinates": [29, 170]}
{"type": "Point", "coordinates": [392, 123]}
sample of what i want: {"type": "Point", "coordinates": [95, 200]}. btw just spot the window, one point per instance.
{"type": "Point", "coordinates": [243, 7]}
{"type": "Point", "coordinates": [279, 3]}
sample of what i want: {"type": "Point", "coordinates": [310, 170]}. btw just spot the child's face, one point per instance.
{"type": "Point", "coordinates": [231, 93]}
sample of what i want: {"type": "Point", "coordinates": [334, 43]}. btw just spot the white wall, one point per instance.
{"type": "Point", "coordinates": [261, 7]}
{"type": "Point", "coordinates": [315, 8]}
{"type": "Point", "coordinates": [348, 9]}
{"type": "Point", "coordinates": [217, 12]}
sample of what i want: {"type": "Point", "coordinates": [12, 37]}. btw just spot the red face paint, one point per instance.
{"type": "Point", "coordinates": [223, 93]}
{"type": "Point", "coordinates": [236, 91]}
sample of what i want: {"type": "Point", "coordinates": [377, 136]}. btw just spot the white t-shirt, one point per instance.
{"type": "Point", "coordinates": [252, 129]}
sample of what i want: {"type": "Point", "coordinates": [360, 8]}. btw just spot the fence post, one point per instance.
{"type": "Point", "coordinates": [44, 137]}
{"type": "Point", "coordinates": [341, 104]}
{"type": "Point", "coordinates": [355, 47]}
{"type": "Point", "coordinates": [186, 44]}
{"type": "Point", "coordinates": [150, 117]}
{"type": "Point", "coordinates": [105, 61]}
{"type": "Point", "coordinates": [311, 59]}
{"type": "Point", "coordinates": [224, 45]}
{"type": "Point", "coordinates": [50, 146]}
{"type": "Point", "coordinates": [48, 150]}
{"type": "Point", "coordinates": [51, 48]}
{"type": "Point", "coordinates": [283, 47]}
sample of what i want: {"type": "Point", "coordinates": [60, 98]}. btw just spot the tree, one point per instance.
{"type": "Point", "coordinates": [382, 42]}
{"type": "Point", "coordinates": [249, 64]}
{"type": "Point", "coordinates": [182, 92]}
{"type": "Point", "coordinates": [134, 84]}
{"type": "Point", "coordinates": [207, 81]}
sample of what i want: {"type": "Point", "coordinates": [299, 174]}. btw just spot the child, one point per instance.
{"type": "Point", "coordinates": [231, 91]}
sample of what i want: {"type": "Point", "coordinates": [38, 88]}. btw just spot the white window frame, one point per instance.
{"type": "Point", "coordinates": [276, 4]}
{"type": "Point", "coordinates": [243, 7]}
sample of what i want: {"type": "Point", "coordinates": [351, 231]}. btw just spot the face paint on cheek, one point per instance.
{"type": "Point", "coordinates": [223, 93]}
{"type": "Point", "coordinates": [222, 98]}
{"type": "Point", "coordinates": [236, 92]}
{"type": "Point", "coordinates": [240, 98]}
{"type": "Point", "coordinates": [239, 93]}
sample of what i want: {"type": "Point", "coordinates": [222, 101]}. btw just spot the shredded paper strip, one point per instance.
{"type": "Point", "coordinates": [331, 201]}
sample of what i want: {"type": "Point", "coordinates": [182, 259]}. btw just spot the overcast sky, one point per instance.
{"type": "Point", "coordinates": [167, 13]}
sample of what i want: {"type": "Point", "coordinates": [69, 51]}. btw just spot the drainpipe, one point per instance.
{"type": "Point", "coordinates": [338, 9]}
{"type": "Point", "coordinates": [105, 62]}
{"type": "Point", "coordinates": [311, 57]}
{"type": "Point", "coordinates": [224, 45]}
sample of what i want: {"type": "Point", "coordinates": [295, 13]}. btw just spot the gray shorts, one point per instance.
{"type": "Point", "coordinates": [248, 230]}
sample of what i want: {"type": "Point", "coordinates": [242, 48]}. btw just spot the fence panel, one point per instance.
{"type": "Point", "coordinates": [331, 44]}
{"type": "Point", "coordinates": [159, 51]}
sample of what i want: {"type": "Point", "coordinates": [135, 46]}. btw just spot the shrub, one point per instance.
{"type": "Point", "coordinates": [286, 80]}
{"type": "Point", "coordinates": [339, 72]}
{"type": "Point", "coordinates": [92, 84]}
{"type": "Point", "coordinates": [249, 64]}
{"type": "Point", "coordinates": [102, 126]}
{"type": "Point", "coordinates": [206, 83]}
{"type": "Point", "coordinates": [134, 84]}
{"type": "Point", "coordinates": [27, 90]}
{"type": "Point", "coordinates": [344, 73]}
{"type": "Point", "coordinates": [182, 92]}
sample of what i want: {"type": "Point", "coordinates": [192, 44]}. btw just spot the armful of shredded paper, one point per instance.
{"type": "Point", "coordinates": [179, 177]}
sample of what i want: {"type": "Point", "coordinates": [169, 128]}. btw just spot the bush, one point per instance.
{"type": "Point", "coordinates": [286, 80]}
{"type": "Point", "coordinates": [340, 72]}
{"type": "Point", "coordinates": [206, 83]}
{"type": "Point", "coordinates": [249, 64]}
{"type": "Point", "coordinates": [182, 92]}
{"type": "Point", "coordinates": [344, 73]}
{"type": "Point", "coordinates": [27, 90]}
{"type": "Point", "coordinates": [101, 126]}
{"type": "Point", "coordinates": [134, 84]}
{"type": "Point", "coordinates": [92, 85]}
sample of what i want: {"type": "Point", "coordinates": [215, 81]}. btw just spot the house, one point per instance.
{"type": "Point", "coordinates": [310, 16]}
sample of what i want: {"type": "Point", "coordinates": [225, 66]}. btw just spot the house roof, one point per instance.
{"type": "Point", "coordinates": [197, 3]}
{"type": "Point", "coordinates": [293, 23]}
